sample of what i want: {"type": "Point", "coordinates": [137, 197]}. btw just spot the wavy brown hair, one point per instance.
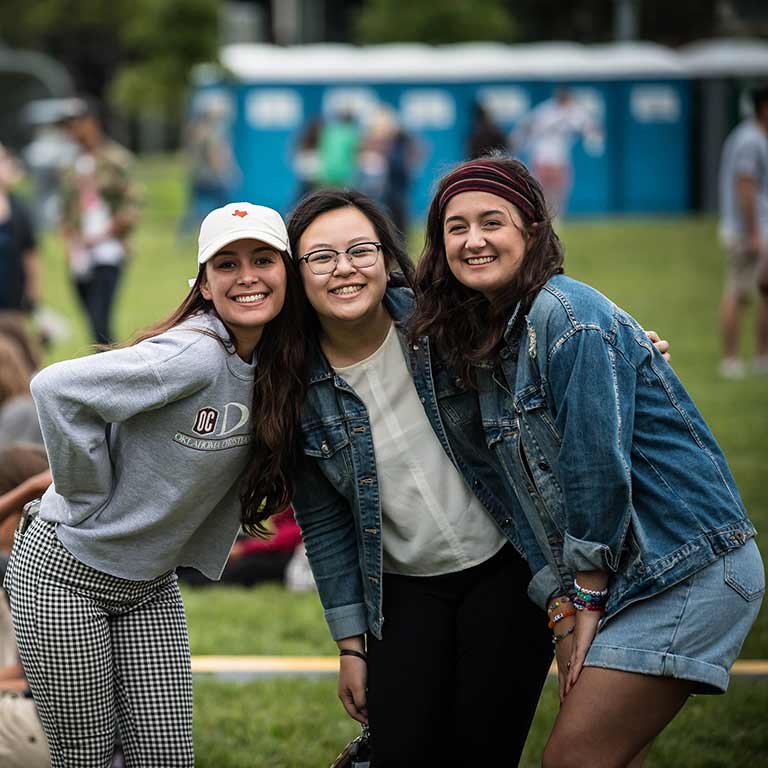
{"type": "Point", "coordinates": [278, 393]}
{"type": "Point", "coordinates": [466, 327]}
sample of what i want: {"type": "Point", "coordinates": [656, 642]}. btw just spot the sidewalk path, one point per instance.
{"type": "Point", "coordinates": [249, 667]}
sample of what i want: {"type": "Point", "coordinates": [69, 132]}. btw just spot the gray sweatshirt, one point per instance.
{"type": "Point", "coordinates": [147, 447]}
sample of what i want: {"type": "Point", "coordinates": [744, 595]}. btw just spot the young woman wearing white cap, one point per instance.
{"type": "Point", "coordinates": [156, 462]}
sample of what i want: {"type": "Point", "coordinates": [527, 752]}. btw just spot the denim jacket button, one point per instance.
{"type": "Point", "coordinates": [324, 448]}
{"type": "Point", "coordinates": [415, 347]}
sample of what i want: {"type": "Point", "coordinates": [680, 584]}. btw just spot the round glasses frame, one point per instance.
{"type": "Point", "coordinates": [354, 259]}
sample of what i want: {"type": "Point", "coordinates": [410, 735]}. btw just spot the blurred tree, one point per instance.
{"type": "Point", "coordinates": [163, 40]}
{"type": "Point", "coordinates": [426, 21]}
{"type": "Point", "coordinates": [592, 21]}
{"type": "Point", "coordinates": [137, 51]}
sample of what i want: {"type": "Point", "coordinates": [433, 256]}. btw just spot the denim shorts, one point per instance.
{"type": "Point", "coordinates": [694, 630]}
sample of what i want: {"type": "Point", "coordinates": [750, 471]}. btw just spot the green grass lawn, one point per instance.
{"type": "Point", "coordinates": [667, 272]}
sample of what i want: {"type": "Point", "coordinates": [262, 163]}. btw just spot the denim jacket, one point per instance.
{"type": "Point", "coordinates": [612, 462]}
{"type": "Point", "coordinates": [337, 502]}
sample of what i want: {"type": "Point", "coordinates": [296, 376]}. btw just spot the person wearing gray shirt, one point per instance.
{"type": "Point", "coordinates": [155, 453]}
{"type": "Point", "coordinates": [744, 235]}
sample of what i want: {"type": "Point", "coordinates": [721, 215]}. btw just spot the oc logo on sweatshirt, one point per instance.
{"type": "Point", "coordinates": [234, 417]}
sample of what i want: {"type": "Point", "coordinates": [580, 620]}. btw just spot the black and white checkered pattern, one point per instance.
{"type": "Point", "coordinates": [99, 651]}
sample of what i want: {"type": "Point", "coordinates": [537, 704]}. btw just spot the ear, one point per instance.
{"type": "Point", "coordinates": [205, 290]}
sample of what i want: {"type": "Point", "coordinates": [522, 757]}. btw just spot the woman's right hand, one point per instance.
{"type": "Point", "coordinates": [353, 680]}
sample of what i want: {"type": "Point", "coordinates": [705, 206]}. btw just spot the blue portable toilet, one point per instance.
{"type": "Point", "coordinates": [640, 93]}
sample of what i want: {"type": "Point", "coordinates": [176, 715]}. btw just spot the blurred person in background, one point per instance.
{"type": "Point", "coordinates": [306, 157]}
{"type": "Point", "coordinates": [18, 417]}
{"type": "Point", "coordinates": [251, 560]}
{"type": "Point", "coordinates": [744, 235]}
{"type": "Point", "coordinates": [19, 263]}
{"type": "Point", "coordinates": [548, 133]}
{"type": "Point", "coordinates": [210, 161]}
{"type": "Point", "coordinates": [13, 328]}
{"type": "Point", "coordinates": [99, 209]}
{"type": "Point", "coordinates": [339, 147]}
{"type": "Point", "coordinates": [23, 476]}
{"type": "Point", "coordinates": [484, 135]}
{"type": "Point", "coordinates": [49, 152]}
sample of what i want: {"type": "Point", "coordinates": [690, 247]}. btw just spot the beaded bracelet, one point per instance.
{"type": "Point", "coordinates": [557, 638]}
{"type": "Point", "coordinates": [587, 593]}
{"type": "Point", "coordinates": [560, 616]}
{"type": "Point", "coordinates": [591, 599]}
{"type": "Point", "coordinates": [557, 603]}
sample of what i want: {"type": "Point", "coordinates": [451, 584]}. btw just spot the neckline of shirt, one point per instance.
{"type": "Point", "coordinates": [371, 358]}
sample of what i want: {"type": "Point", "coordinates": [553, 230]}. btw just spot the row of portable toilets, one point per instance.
{"type": "Point", "coordinates": [663, 113]}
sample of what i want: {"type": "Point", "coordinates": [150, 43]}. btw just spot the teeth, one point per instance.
{"type": "Point", "coordinates": [481, 260]}
{"type": "Point", "coordinates": [347, 290]}
{"type": "Point", "coordinates": [251, 298]}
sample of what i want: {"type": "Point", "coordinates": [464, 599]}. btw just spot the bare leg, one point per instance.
{"type": "Point", "coordinates": [761, 328]}
{"type": "Point", "coordinates": [730, 318]}
{"type": "Point", "coordinates": [639, 760]}
{"type": "Point", "coordinates": [610, 717]}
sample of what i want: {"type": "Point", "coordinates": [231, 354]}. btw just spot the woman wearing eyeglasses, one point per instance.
{"type": "Point", "coordinates": [407, 522]}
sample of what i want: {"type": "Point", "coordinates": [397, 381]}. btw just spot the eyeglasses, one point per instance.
{"type": "Point", "coordinates": [324, 261]}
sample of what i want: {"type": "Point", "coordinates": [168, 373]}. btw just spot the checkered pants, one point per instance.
{"type": "Point", "coordinates": [101, 651]}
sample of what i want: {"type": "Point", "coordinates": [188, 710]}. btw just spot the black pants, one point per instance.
{"type": "Point", "coordinates": [97, 295]}
{"type": "Point", "coordinates": [457, 675]}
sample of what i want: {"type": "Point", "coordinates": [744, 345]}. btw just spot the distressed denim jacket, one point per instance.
{"type": "Point", "coordinates": [337, 503]}
{"type": "Point", "coordinates": [612, 462]}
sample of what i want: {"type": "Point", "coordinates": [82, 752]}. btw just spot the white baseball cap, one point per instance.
{"type": "Point", "coordinates": [236, 221]}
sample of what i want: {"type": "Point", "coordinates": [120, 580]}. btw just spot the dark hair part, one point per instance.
{"type": "Point", "coordinates": [324, 200]}
{"type": "Point", "coordinates": [278, 394]}
{"type": "Point", "coordinates": [466, 327]}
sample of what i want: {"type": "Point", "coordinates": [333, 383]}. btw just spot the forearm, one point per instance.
{"type": "Point", "coordinates": [355, 643]}
{"type": "Point", "coordinates": [32, 277]}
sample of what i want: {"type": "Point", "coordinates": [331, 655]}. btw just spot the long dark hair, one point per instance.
{"type": "Point", "coordinates": [396, 259]}
{"type": "Point", "coordinates": [466, 327]}
{"type": "Point", "coordinates": [278, 393]}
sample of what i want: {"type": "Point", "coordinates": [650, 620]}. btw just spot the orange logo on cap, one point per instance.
{"type": "Point", "coordinates": [240, 213]}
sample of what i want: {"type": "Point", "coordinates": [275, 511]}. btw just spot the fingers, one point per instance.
{"type": "Point", "coordinates": [348, 702]}
{"type": "Point", "coordinates": [575, 665]}
{"type": "Point", "coordinates": [353, 676]}
{"type": "Point", "coordinates": [653, 336]}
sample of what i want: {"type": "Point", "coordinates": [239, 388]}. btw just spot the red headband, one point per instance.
{"type": "Point", "coordinates": [483, 176]}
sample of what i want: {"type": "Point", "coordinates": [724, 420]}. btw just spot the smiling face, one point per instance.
{"type": "Point", "coordinates": [246, 282]}
{"type": "Point", "coordinates": [485, 241]}
{"type": "Point", "coordinates": [348, 294]}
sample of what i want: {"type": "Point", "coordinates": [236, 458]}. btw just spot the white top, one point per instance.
{"type": "Point", "coordinates": [431, 522]}
{"type": "Point", "coordinates": [551, 128]}
{"type": "Point", "coordinates": [745, 153]}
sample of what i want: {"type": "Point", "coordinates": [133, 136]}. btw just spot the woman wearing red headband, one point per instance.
{"type": "Point", "coordinates": [655, 576]}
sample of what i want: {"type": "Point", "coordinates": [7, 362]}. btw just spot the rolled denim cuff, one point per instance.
{"type": "Point", "coordinates": [543, 585]}
{"type": "Point", "coordinates": [580, 555]}
{"type": "Point", "coordinates": [346, 620]}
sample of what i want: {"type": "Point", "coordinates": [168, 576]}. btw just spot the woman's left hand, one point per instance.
{"type": "Point", "coordinates": [661, 344]}
{"type": "Point", "coordinates": [586, 629]}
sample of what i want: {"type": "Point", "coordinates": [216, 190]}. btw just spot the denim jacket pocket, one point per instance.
{"type": "Point", "coordinates": [744, 571]}
{"type": "Point", "coordinates": [324, 440]}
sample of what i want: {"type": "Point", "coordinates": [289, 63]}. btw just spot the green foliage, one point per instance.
{"type": "Point", "coordinates": [164, 39]}
{"type": "Point", "coordinates": [139, 52]}
{"type": "Point", "coordinates": [425, 21]}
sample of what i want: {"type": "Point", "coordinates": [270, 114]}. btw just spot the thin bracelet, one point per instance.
{"type": "Point", "coordinates": [352, 652]}
{"type": "Point", "coordinates": [557, 638]}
